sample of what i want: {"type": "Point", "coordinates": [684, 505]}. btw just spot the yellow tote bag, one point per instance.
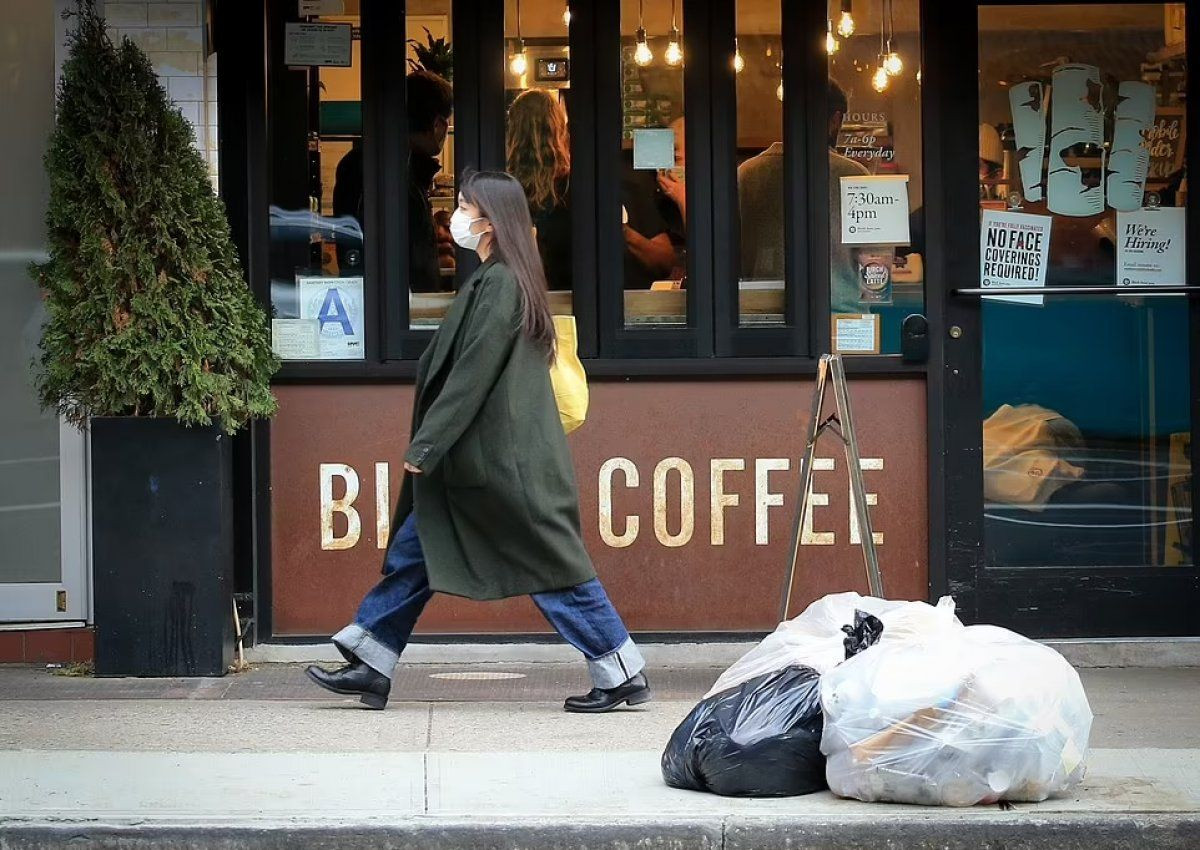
{"type": "Point", "coordinates": [567, 375]}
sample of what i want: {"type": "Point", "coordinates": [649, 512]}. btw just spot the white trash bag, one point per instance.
{"type": "Point", "coordinates": [976, 715]}
{"type": "Point", "coordinates": [814, 639]}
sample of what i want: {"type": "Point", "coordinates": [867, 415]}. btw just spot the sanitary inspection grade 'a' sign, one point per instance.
{"type": "Point", "coordinates": [1014, 252]}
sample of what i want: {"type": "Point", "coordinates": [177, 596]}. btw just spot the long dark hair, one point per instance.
{"type": "Point", "coordinates": [501, 200]}
{"type": "Point", "coordinates": [538, 148]}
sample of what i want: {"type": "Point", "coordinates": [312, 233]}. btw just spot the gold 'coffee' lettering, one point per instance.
{"type": "Point", "coordinates": [671, 502]}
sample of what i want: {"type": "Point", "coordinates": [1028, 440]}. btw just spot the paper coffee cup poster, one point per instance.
{"type": "Point", "coordinates": [336, 303]}
{"type": "Point", "coordinates": [1151, 250]}
{"type": "Point", "coordinates": [1014, 252]}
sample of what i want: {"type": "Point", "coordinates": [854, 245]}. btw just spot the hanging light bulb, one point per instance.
{"type": "Point", "coordinates": [674, 53]}
{"type": "Point", "coordinates": [779, 91]}
{"type": "Point", "coordinates": [892, 63]}
{"type": "Point", "coordinates": [739, 64]}
{"type": "Point", "coordinates": [880, 79]}
{"type": "Point", "coordinates": [846, 21]}
{"type": "Point", "coordinates": [831, 43]}
{"type": "Point", "coordinates": [642, 54]}
{"type": "Point", "coordinates": [567, 16]}
{"type": "Point", "coordinates": [519, 63]}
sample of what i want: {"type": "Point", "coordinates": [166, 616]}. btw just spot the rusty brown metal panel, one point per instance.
{"type": "Point", "coordinates": [699, 544]}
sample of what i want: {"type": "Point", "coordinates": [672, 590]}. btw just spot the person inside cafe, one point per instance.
{"type": "Point", "coordinates": [672, 200]}
{"type": "Point", "coordinates": [760, 201]}
{"type": "Point", "coordinates": [649, 253]}
{"type": "Point", "coordinates": [430, 104]}
{"type": "Point", "coordinates": [538, 153]}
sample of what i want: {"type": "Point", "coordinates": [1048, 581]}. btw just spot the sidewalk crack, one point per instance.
{"type": "Point", "coordinates": [425, 774]}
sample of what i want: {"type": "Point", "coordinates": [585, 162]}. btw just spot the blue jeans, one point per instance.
{"type": "Point", "coordinates": [582, 615]}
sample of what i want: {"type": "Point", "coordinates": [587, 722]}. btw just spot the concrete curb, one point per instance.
{"type": "Point", "coordinates": [1123, 652]}
{"type": "Point", "coordinates": [987, 829]}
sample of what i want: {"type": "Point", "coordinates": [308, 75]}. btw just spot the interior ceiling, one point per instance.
{"type": "Point", "coordinates": [541, 18]}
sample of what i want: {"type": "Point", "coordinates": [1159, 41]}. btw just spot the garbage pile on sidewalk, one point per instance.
{"type": "Point", "coordinates": [888, 701]}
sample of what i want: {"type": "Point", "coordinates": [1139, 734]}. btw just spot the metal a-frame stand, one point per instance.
{"type": "Point", "coordinates": [840, 423]}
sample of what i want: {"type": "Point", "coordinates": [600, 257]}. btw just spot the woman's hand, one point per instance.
{"type": "Point", "coordinates": [408, 467]}
{"type": "Point", "coordinates": [673, 188]}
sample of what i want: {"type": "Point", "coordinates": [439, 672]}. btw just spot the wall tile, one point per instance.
{"type": "Point", "coordinates": [174, 14]}
{"type": "Point", "coordinates": [147, 38]}
{"type": "Point", "coordinates": [176, 63]}
{"type": "Point", "coordinates": [185, 89]}
{"type": "Point", "coordinates": [125, 14]}
{"type": "Point", "coordinates": [185, 38]}
{"type": "Point", "coordinates": [191, 111]}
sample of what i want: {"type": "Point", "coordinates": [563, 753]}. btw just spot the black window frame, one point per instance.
{"type": "Point", "coordinates": [714, 342]}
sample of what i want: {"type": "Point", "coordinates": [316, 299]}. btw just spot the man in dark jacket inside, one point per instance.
{"type": "Point", "coordinates": [430, 104]}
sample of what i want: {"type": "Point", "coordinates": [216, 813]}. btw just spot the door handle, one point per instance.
{"type": "Point", "coordinates": [1076, 291]}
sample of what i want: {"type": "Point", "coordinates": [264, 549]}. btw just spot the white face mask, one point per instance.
{"type": "Point", "coordinates": [460, 230]}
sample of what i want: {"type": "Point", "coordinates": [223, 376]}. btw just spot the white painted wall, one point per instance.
{"type": "Point", "coordinates": [173, 35]}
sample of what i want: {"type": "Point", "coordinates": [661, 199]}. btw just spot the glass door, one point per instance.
{"type": "Point", "coordinates": [42, 548]}
{"type": "Point", "coordinates": [1071, 341]}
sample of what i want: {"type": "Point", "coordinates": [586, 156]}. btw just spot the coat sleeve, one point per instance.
{"type": "Point", "coordinates": [488, 340]}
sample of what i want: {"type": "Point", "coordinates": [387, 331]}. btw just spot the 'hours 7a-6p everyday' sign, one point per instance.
{"type": "Point", "coordinates": [875, 210]}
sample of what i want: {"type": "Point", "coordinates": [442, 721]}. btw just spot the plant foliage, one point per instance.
{"type": "Point", "coordinates": [148, 313]}
{"type": "Point", "coordinates": [436, 55]}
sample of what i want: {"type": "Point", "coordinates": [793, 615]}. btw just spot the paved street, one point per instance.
{"type": "Point", "coordinates": [482, 756]}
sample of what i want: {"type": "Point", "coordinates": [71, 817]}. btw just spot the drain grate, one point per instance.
{"type": "Point", "coordinates": [476, 676]}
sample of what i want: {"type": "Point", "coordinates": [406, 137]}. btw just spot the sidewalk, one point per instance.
{"type": "Point", "coordinates": [482, 756]}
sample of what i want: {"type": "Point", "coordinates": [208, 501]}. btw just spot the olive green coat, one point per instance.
{"type": "Point", "coordinates": [496, 503]}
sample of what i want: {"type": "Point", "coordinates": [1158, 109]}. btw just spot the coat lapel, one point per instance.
{"type": "Point", "coordinates": [443, 341]}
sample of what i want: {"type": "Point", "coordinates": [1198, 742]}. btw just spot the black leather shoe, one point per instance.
{"type": "Point", "coordinates": [634, 692]}
{"type": "Point", "coordinates": [357, 679]}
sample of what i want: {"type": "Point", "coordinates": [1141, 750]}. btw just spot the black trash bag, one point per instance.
{"type": "Point", "coordinates": [760, 739]}
{"type": "Point", "coordinates": [866, 632]}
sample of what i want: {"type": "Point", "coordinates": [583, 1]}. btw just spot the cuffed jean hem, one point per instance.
{"type": "Point", "coordinates": [617, 667]}
{"type": "Point", "coordinates": [356, 643]}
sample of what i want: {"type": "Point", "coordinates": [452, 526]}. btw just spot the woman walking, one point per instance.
{"type": "Point", "coordinates": [489, 507]}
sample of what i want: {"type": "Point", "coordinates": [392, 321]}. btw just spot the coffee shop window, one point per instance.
{"type": "Point", "coordinates": [653, 210]}
{"type": "Point", "coordinates": [761, 178]}
{"type": "Point", "coordinates": [876, 218]}
{"type": "Point", "coordinates": [430, 194]}
{"type": "Point", "coordinates": [317, 234]}
{"type": "Point", "coordinates": [537, 131]}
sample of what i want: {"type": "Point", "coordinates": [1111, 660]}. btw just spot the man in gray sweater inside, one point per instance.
{"type": "Point", "coordinates": [760, 202]}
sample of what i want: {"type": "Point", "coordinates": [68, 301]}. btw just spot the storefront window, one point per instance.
{"type": "Point", "coordinates": [431, 194]}
{"type": "Point", "coordinates": [876, 223]}
{"type": "Point", "coordinates": [758, 67]}
{"type": "Point", "coordinates": [316, 214]}
{"type": "Point", "coordinates": [1087, 431]}
{"type": "Point", "coordinates": [653, 176]}
{"type": "Point", "coordinates": [537, 143]}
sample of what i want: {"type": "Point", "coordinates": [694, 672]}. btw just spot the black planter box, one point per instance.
{"type": "Point", "coordinates": [162, 548]}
